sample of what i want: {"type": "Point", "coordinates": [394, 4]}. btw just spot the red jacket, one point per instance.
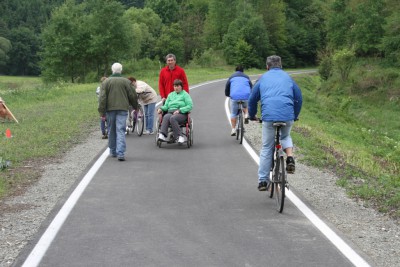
{"type": "Point", "coordinates": [167, 78]}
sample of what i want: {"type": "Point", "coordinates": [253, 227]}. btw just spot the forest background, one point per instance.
{"type": "Point", "coordinates": [349, 121]}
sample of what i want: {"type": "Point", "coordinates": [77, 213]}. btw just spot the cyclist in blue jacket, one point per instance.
{"type": "Point", "coordinates": [281, 100]}
{"type": "Point", "coordinates": [238, 88]}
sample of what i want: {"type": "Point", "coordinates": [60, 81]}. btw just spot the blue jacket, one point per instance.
{"type": "Point", "coordinates": [280, 97]}
{"type": "Point", "coordinates": [238, 86]}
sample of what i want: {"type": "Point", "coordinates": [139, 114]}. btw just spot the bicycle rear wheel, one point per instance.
{"type": "Point", "coordinates": [140, 121]}
{"type": "Point", "coordinates": [241, 125]}
{"type": "Point", "coordinates": [239, 118]}
{"type": "Point", "coordinates": [279, 183]}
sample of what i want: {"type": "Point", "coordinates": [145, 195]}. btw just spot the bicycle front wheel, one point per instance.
{"type": "Point", "coordinates": [279, 183]}
{"type": "Point", "coordinates": [140, 121]}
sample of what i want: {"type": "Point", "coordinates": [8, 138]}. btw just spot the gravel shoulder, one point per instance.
{"type": "Point", "coordinates": [375, 234]}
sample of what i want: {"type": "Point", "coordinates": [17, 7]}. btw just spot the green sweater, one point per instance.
{"type": "Point", "coordinates": [181, 101]}
{"type": "Point", "coordinates": [117, 93]}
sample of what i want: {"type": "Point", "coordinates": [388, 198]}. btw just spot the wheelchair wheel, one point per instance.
{"type": "Point", "coordinates": [188, 133]}
{"type": "Point", "coordinates": [191, 132]}
{"type": "Point", "coordinates": [158, 143]}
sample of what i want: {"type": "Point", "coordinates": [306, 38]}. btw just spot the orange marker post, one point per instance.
{"type": "Point", "coordinates": [8, 133]}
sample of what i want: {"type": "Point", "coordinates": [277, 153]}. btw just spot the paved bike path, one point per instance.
{"type": "Point", "coordinates": [179, 206]}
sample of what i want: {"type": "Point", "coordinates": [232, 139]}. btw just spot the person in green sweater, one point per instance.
{"type": "Point", "coordinates": [176, 109]}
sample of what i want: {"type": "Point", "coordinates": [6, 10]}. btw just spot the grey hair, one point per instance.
{"type": "Point", "coordinates": [116, 68]}
{"type": "Point", "coordinates": [169, 56]}
{"type": "Point", "coordinates": [274, 61]}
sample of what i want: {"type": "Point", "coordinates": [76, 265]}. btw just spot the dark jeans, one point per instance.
{"type": "Point", "coordinates": [174, 120]}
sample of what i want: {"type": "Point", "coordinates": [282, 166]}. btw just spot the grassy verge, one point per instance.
{"type": "Point", "coordinates": [356, 138]}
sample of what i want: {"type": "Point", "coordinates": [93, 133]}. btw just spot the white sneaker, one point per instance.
{"type": "Point", "coordinates": [161, 137]}
{"type": "Point", "coordinates": [147, 132]}
{"type": "Point", "coordinates": [233, 132]}
{"type": "Point", "coordinates": [181, 140]}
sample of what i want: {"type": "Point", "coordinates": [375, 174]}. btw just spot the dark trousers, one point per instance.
{"type": "Point", "coordinates": [174, 120]}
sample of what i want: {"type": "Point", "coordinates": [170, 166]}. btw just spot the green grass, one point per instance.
{"type": "Point", "coordinates": [357, 138]}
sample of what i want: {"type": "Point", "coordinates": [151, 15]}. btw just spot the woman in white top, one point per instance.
{"type": "Point", "coordinates": [147, 97]}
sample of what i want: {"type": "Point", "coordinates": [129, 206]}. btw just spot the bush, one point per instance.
{"type": "Point", "coordinates": [343, 61]}
{"type": "Point", "coordinates": [210, 58]}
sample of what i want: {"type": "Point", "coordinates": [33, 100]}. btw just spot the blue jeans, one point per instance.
{"type": "Point", "coordinates": [149, 115]}
{"type": "Point", "coordinates": [103, 126]}
{"type": "Point", "coordinates": [116, 120]}
{"type": "Point", "coordinates": [235, 107]}
{"type": "Point", "coordinates": [268, 143]}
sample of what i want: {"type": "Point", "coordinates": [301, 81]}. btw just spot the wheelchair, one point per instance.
{"type": "Point", "coordinates": [186, 130]}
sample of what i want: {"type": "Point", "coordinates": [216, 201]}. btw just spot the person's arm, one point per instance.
{"type": "Point", "coordinates": [185, 81]}
{"type": "Point", "coordinates": [102, 100]}
{"type": "Point", "coordinates": [253, 100]}
{"type": "Point", "coordinates": [161, 85]}
{"type": "Point", "coordinates": [298, 100]}
{"type": "Point", "coordinates": [228, 88]}
{"type": "Point", "coordinates": [132, 96]}
{"type": "Point", "coordinates": [188, 104]}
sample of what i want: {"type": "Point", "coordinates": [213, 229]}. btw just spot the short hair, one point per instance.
{"type": "Point", "coordinates": [169, 56]}
{"type": "Point", "coordinates": [274, 61]}
{"type": "Point", "coordinates": [178, 82]}
{"type": "Point", "coordinates": [239, 68]}
{"type": "Point", "coordinates": [132, 79]}
{"type": "Point", "coordinates": [116, 68]}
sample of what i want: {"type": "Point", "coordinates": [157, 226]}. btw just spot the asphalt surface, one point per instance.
{"type": "Point", "coordinates": [179, 206]}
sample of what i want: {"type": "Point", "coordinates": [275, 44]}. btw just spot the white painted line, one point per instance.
{"type": "Point", "coordinates": [346, 250]}
{"type": "Point", "coordinates": [41, 247]}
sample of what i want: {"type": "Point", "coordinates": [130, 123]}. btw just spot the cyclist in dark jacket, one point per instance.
{"type": "Point", "coordinates": [281, 100]}
{"type": "Point", "coordinates": [238, 88]}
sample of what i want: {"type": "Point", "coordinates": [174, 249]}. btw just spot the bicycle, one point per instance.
{"type": "Point", "coordinates": [278, 171]}
{"type": "Point", "coordinates": [136, 121]}
{"type": "Point", "coordinates": [239, 122]}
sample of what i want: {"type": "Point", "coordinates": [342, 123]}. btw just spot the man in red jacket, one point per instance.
{"type": "Point", "coordinates": [168, 75]}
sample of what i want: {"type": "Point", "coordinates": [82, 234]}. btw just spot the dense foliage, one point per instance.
{"type": "Point", "coordinates": [78, 39]}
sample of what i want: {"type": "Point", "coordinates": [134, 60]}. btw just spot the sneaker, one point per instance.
{"type": "Point", "coordinates": [147, 132]}
{"type": "Point", "coordinates": [113, 155]}
{"type": "Point", "coordinates": [151, 132]}
{"type": "Point", "coordinates": [181, 140]}
{"type": "Point", "coordinates": [233, 132]}
{"type": "Point", "coordinates": [246, 119]}
{"type": "Point", "coordinates": [161, 137]}
{"type": "Point", "coordinates": [263, 186]}
{"type": "Point", "coordinates": [104, 136]}
{"type": "Point", "coordinates": [290, 165]}
{"type": "Point", "coordinates": [121, 158]}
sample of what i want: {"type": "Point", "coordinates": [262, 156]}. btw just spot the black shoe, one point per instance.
{"type": "Point", "coordinates": [263, 186]}
{"type": "Point", "coordinates": [290, 165]}
{"type": "Point", "coordinates": [121, 158]}
{"type": "Point", "coordinates": [246, 120]}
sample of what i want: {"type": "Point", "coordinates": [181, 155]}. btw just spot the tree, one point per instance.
{"type": "Point", "coordinates": [390, 44]}
{"type": "Point", "coordinates": [146, 27]}
{"type": "Point", "coordinates": [367, 30]}
{"type": "Point", "coordinates": [170, 41]}
{"type": "Point", "coordinates": [339, 24]}
{"type": "Point", "coordinates": [244, 30]}
{"type": "Point", "coordinates": [23, 58]}
{"type": "Point", "coordinates": [5, 47]}
{"type": "Point", "coordinates": [168, 10]}
{"type": "Point", "coordinates": [80, 38]}
{"type": "Point", "coordinates": [193, 15]}
{"type": "Point", "coordinates": [217, 22]}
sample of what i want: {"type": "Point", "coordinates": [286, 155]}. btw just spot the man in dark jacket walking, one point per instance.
{"type": "Point", "coordinates": [116, 94]}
